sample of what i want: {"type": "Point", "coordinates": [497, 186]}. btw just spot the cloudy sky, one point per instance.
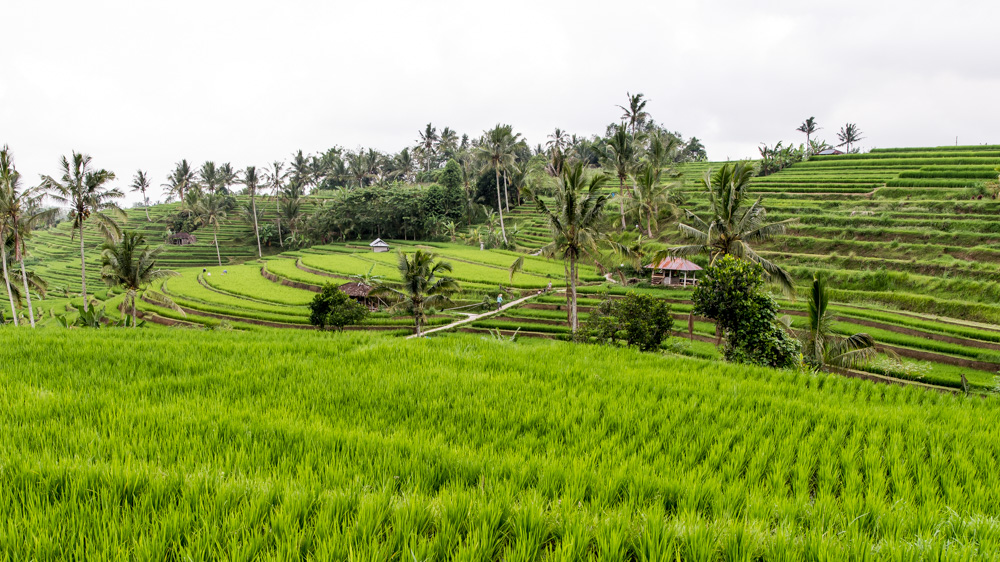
{"type": "Point", "coordinates": [144, 84]}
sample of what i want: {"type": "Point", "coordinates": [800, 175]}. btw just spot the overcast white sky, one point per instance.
{"type": "Point", "coordinates": [144, 84]}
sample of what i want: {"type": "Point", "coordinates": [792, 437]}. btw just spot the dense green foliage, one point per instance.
{"type": "Point", "coordinates": [181, 445]}
{"type": "Point", "coordinates": [396, 211]}
{"type": "Point", "coordinates": [637, 320]}
{"type": "Point", "coordinates": [334, 308]}
{"type": "Point", "coordinates": [731, 293]}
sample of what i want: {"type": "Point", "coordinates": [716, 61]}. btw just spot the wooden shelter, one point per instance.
{"type": "Point", "coordinates": [181, 239]}
{"type": "Point", "coordinates": [360, 292]}
{"type": "Point", "coordinates": [674, 271]}
{"type": "Point", "coordinates": [379, 245]}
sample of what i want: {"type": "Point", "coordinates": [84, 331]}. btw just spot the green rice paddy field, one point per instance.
{"type": "Point", "coordinates": [194, 445]}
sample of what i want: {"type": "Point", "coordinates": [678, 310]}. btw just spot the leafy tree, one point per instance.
{"type": "Point", "coordinates": [83, 189]}
{"type": "Point", "coordinates": [575, 220]}
{"type": "Point", "coordinates": [734, 224]}
{"type": "Point", "coordinates": [333, 307]}
{"type": "Point", "coordinates": [731, 293]}
{"type": "Point", "coordinates": [424, 285]}
{"type": "Point", "coordinates": [131, 265]}
{"type": "Point", "coordinates": [640, 321]}
{"type": "Point", "coordinates": [820, 346]}
{"type": "Point", "coordinates": [251, 180]}
{"type": "Point", "coordinates": [849, 134]}
{"type": "Point", "coordinates": [140, 183]}
{"type": "Point", "coordinates": [451, 177]}
{"type": "Point", "coordinates": [808, 127]}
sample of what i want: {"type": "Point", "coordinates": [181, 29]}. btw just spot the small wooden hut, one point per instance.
{"type": "Point", "coordinates": [379, 245]}
{"type": "Point", "coordinates": [359, 292]}
{"type": "Point", "coordinates": [181, 239]}
{"type": "Point", "coordinates": [674, 271]}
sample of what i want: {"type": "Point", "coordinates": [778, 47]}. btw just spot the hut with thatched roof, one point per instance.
{"type": "Point", "coordinates": [359, 292]}
{"type": "Point", "coordinates": [181, 239]}
{"type": "Point", "coordinates": [674, 271]}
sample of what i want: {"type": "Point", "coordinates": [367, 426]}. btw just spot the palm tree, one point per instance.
{"type": "Point", "coordinates": [733, 225]}
{"type": "Point", "coordinates": [209, 177]}
{"type": "Point", "coordinates": [494, 149]}
{"type": "Point", "coordinates": [180, 180]}
{"type": "Point", "coordinates": [808, 127]}
{"type": "Point", "coordinates": [635, 113]}
{"type": "Point", "coordinates": [621, 155]}
{"type": "Point", "coordinates": [275, 178]}
{"type": "Point", "coordinates": [227, 177]}
{"type": "Point", "coordinates": [820, 346]}
{"type": "Point", "coordinates": [660, 151]}
{"type": "Point", "coordinates": [558, 139]}
{"type": "Point", "coordinates": [9, 178]}
{"type": "Point", "coordinates": [447, 143]}
{"type": "Point", "coordinates": [423, 285]}
{"type": "Point", "coordinates": [649, 196]}
{"type": "Point", "coordinates": [250, 180]}
{"type": "Point", "coordinates": [140, 183]}
{"type": "Point", "coordinates": [211, 211]}
{"type": "Point", "coordinates": [124, 264]}
{"type": "Point", "coordinates": [84, 190]}
{"type": "Point", "coordinates": [849, 134]}
{"type": "Point", "coordinates": [17, 211]}
{"type": "Point", "coordinates": [428, 137]}
{"type": "Point", "coordinates": [301, 170]}
{"type": "Point", "coordinates": [575, 221]}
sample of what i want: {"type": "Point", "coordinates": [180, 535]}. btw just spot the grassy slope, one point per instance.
{"type": "Point", "coordinates": [310, 445]}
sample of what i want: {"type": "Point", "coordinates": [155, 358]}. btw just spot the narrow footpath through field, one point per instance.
{"type": "Point", "coordinates": [474, 317]}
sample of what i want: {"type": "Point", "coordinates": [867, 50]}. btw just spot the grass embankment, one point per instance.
{"type": "Point", "coordinates": [172, 444]}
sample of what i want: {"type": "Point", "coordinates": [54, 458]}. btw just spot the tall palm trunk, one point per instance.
{"type": "Point", "coordinates": [215, 237]}
{"type": "Point", "coordinates": [277, 207]}
{"type": "Point", "coordinates": [503, 229]}
{"type": "Point", "coordinates": [147, 211]}
{"type": "Point", "coordinates": [621, 199]}
{"type": "Point", "coordinates": [27, 295]}
{"type": "Point", "coordinates": [256, 231]}
{"type": "Point", "coordinates": [135, 295]}
{"type": "Point", "coordinates": [573, 321]}
{"type": "Point", "coordinates": [83, 269]}
{"type": "Point", "coordinates": [6, 279]}
{"type": "Point", "coordinates": [506, 197]}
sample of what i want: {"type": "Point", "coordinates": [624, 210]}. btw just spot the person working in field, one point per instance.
{"type": "Point", "coordinates": [499, 300]}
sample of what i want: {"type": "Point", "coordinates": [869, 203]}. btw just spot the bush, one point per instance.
{"type": "Point", "coordinates": [332, 307]}
{"type": "Point", "coordinates": [640, 321]}
{"type": "Point", "coordinates": [731, 293]}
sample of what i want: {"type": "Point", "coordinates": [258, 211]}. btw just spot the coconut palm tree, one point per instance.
{"type": "Point", "coordinates": [820, 346]}
{"type": "Point", "coordinates": [574, 219]}
{"type": "Point", "coordinates": [140, 183]}
{"type": "Point", "coordinates": [301, 170]}
{"type": "Point", "coordinates": [275, 179]}
{"type": "Point", "coordinates": [85, 191]}
{"type": "Point", "coordinates": [9, 178]}
{"type": "Point", "coordinates": [494, 150]}
{"type": "Point", "coordinates": [211, 211]}
{"type": "Point", "coordinates": [424, 285]}
{"type": "Point", "coordinates": [18, 213]}
{"type": "Point", "coordinates": [209, 177]}
{"type": "Point", "coordinates": [250, 181]}
{"type": "Point", "coordinates": [448, 143]}
{"type": "Point", "coordinates": [428, 138]}
{"type": "Point", "coordinates": [621, 156]}
{"type": "Point", "coordinates": [228, 177]}
{"type": "Point", "coordinates": [734, 224]}
{"type": "Point", "coordinates": [849, 134]}
{"type": "Point", "coordinates": [650, 195]}
{"type": "Point", "coordinates": [180, 180]}
{"type": "Point", "coordinates": [808, 127]}
{"type": "Point", "coordinates": [635, 114]}
{"type": "Point", "coordinates": [131, 265]}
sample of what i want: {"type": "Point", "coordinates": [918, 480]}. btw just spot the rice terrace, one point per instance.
{"type": "Point", "coordinates": [614, 343]}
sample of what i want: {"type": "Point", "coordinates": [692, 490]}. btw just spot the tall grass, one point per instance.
{"type": "Point", "coordinates": [173, 445]}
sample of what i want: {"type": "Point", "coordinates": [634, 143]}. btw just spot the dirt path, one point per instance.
{"type": "Point", "coordinates": [474, 317]}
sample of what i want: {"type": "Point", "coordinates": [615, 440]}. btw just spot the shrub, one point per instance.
{"type": "Point", "coordinates": [731, 293]}
{"type": "Point", "coordinates": [332, 307]}
{"type": "Point", "coordinates": [640, 321]}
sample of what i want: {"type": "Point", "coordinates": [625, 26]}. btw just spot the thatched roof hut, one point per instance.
{"type": "Point", "coordinates": [356, 290]}
{"type": "Point", "coordinates": [181, 239]}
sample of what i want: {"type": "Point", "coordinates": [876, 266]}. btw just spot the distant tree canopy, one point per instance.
{"type": "Point", "coordinates": [393, 211]}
